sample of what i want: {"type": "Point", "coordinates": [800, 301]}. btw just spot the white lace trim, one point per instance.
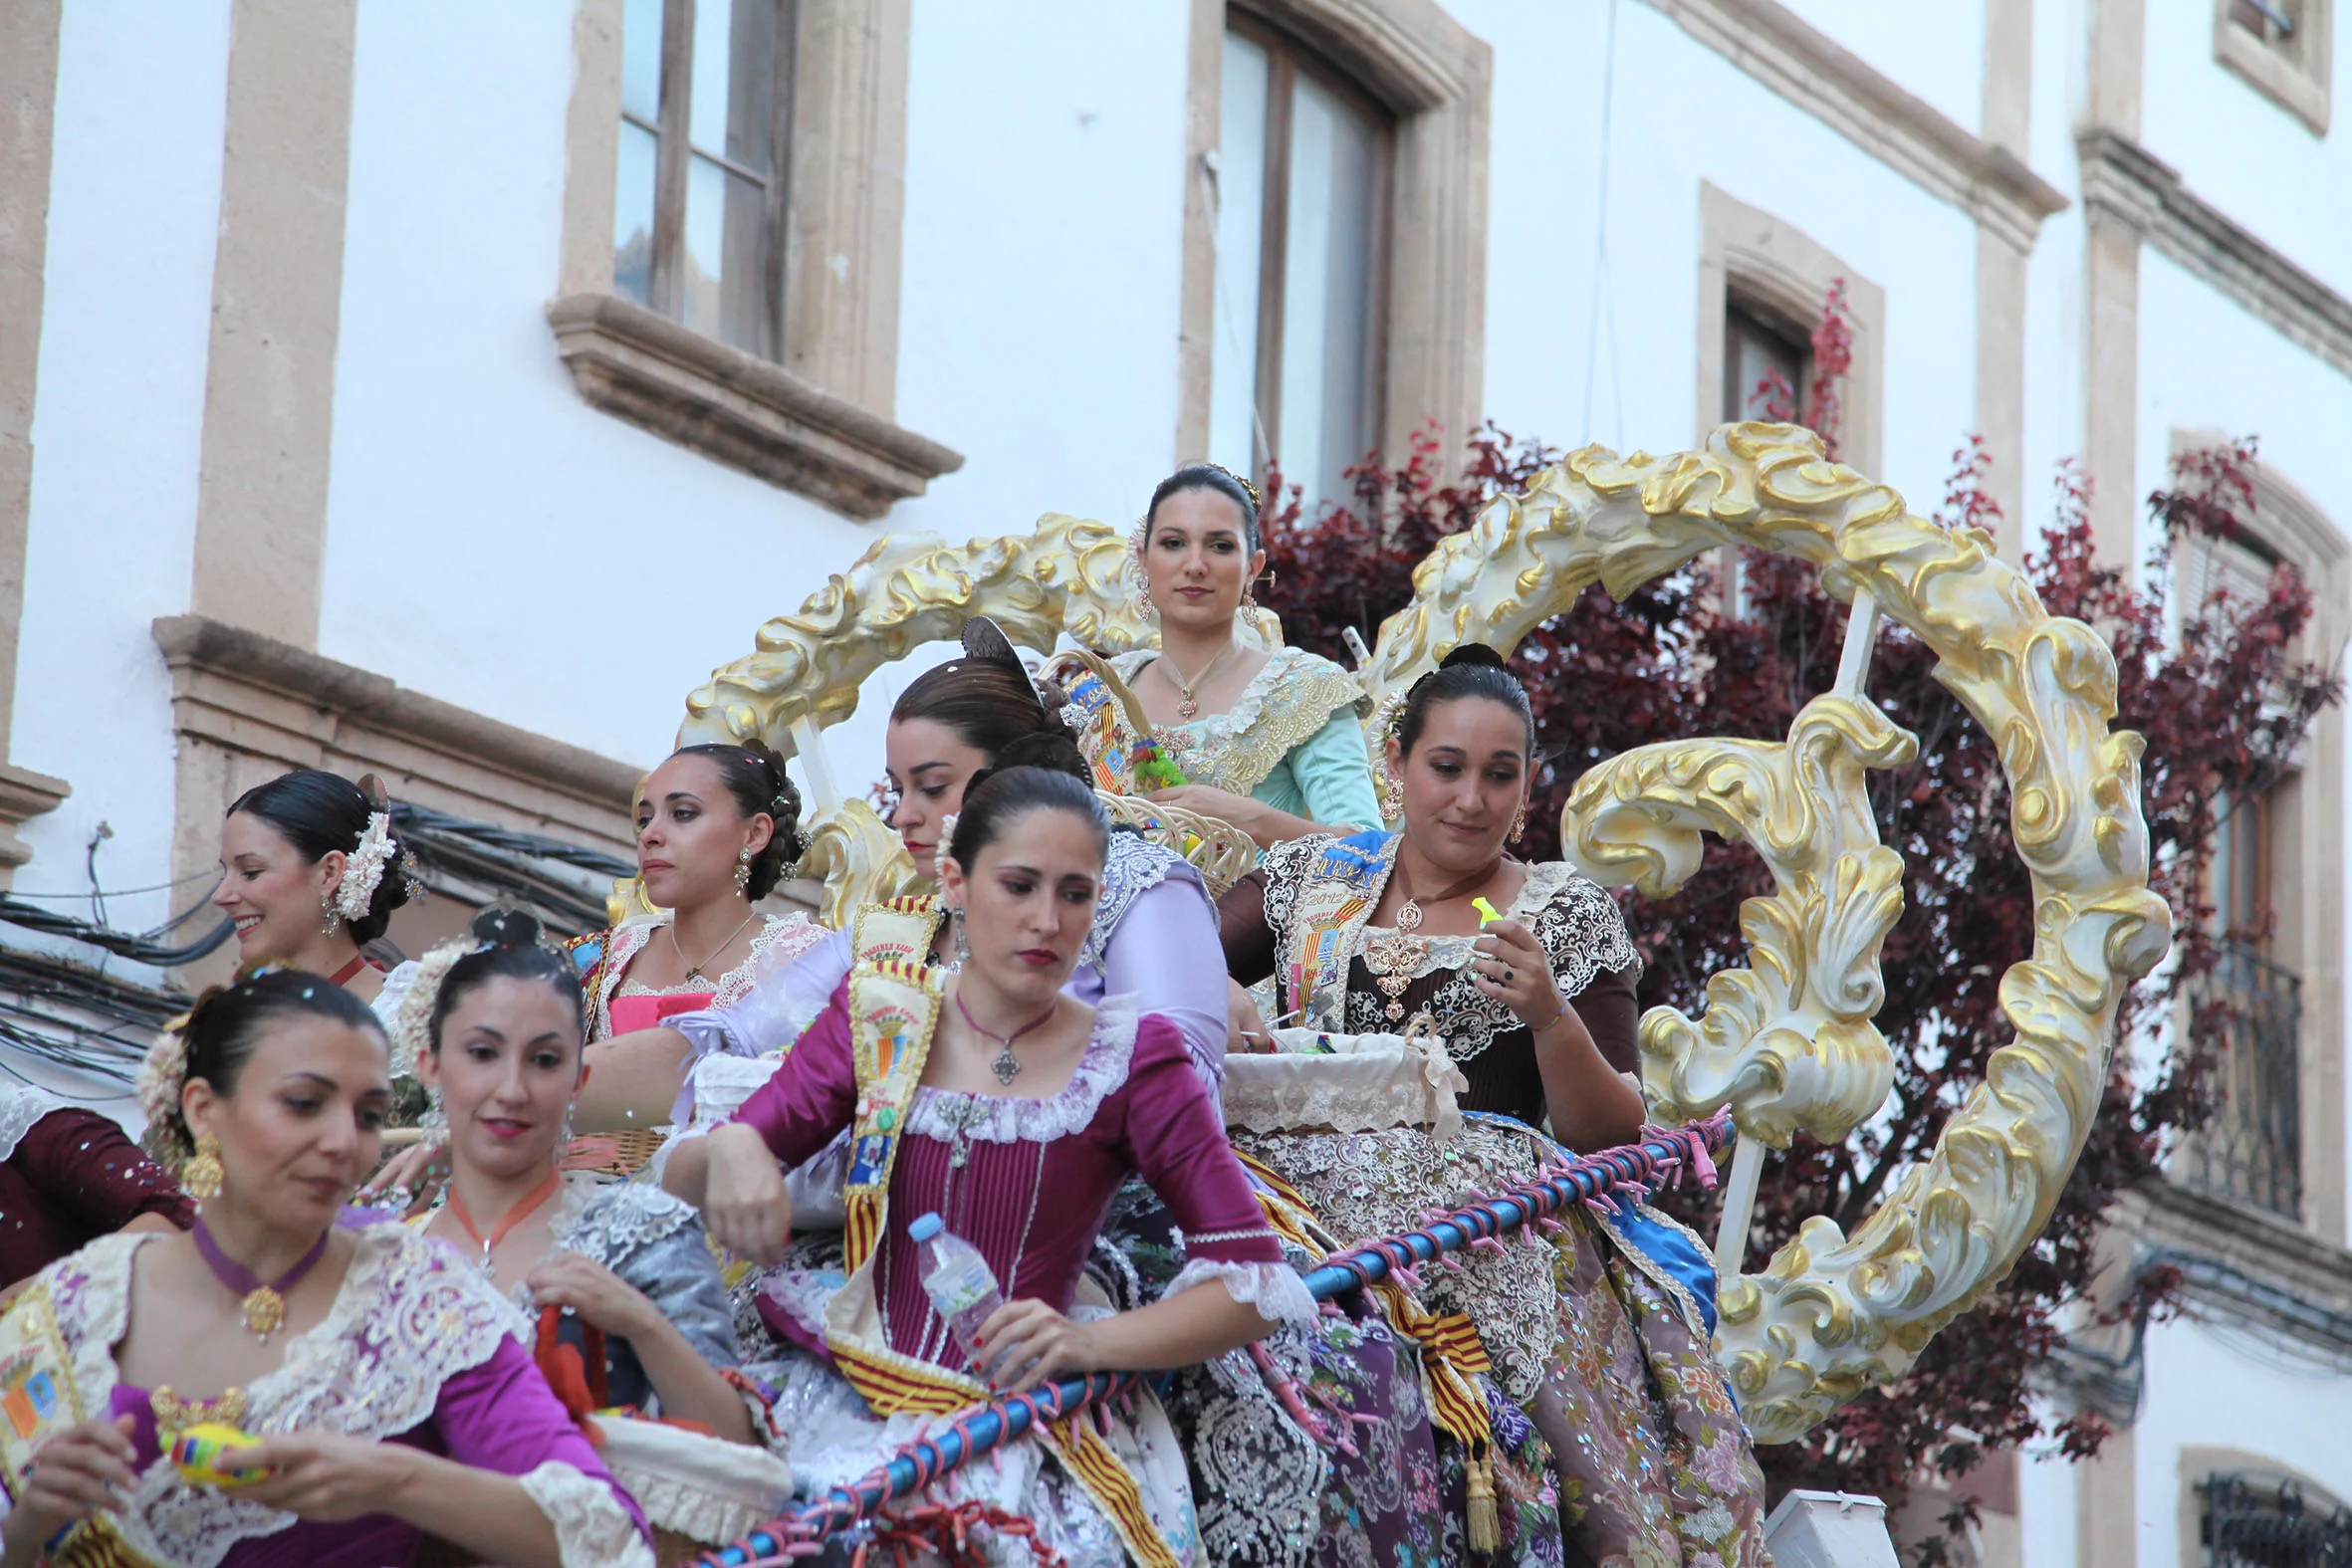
{"type": "Point", "coordinates": [947, 1115]}
{"type": "Point", "coordinates": [1274, 1290]}
{"type": "Point", "coordinates": [795, 932]}
{"type": "Point", "coordinates": [21, 1107]}
{"type": "Point", "coordinates": [386, 1008]}
{"type": "Point", "coordinates": [411, 1316]}
{"type": "Point", "coordinates": [1543, 883]}
{"type": "Point", "coordinates": [592, 1529]}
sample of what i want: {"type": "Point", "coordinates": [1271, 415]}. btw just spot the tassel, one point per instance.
{"type": "Point", "coordinates": [1485, 1522]}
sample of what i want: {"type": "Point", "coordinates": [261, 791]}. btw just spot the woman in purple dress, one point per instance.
{"type": "Point", "coordinates": [1014, 1111]}
{"type": "Point", "coordinates": [371, 1373]}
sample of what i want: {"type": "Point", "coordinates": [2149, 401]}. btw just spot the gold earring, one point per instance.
{"type": "Point", "coordinates": [333, 919]}
{"type": "Point", "coordinates": [1518, 827]}
{"type": "Point", "coordinates": [743, 871]}
{"type": "Point", "coordinates": [201, 1174]}
{"type": "Point", "coordinates": [1388, 793]}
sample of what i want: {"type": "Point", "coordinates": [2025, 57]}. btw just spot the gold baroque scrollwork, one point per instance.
{"type": "Point", "coordinates": [1833, 1313]}
{"type": "Point", "coordinates": [1067, 576]}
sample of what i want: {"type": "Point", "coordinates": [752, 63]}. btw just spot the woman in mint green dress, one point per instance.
{"type": "Point", "coordinates": [1269, 740]}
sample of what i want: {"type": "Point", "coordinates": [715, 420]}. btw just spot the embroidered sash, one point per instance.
{"type": "Point", "coordinates": [1112, 729]}
{"type": "Point", "coordinates": [1337, 895]}
{"type": "Point", "coordinates": [893, 1016]}
{"type": "Point", "coordinates": [38, 1400]}
{"type": "Point", "coordinates": [897, 930]}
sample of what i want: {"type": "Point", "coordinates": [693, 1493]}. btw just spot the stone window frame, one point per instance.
{"type": "Point", "coordinates": [1436, 79]}
{"type": "Point", "coordinates": [1775, 268]}
{"type": "Point", "coordinates": [2199, 1461]}
{"type": "Point", "coordinates": [820, 420]}
{"type": "Point", "coordinates": [2307, 821]}
{"type": "Point", "coordinates": [2301, 82]}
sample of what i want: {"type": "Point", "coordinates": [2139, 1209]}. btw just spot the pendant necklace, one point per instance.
{"type": "Point", "coordinates": [694, 970]}
{"type": "Point", "coordinates": [1393, 956]}
{"type": "Point", "coordinates": [263, 1309]}
{"type": "Point", "coordinates": [1006, 1065]}
{"type": "Point", "coordinates": [531, 1205]}
{"type": "Point", "coordinates": [1187, 709]}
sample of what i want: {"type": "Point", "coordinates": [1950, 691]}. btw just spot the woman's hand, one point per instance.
{"type": "Point", "coordinates": [417, 1171]}
{"type": "Point", "coordinates": [327, 1476]}
{"type": "Point", "coordinates": [74, 1475]}
{"type": "Point", "coordinates": [1513, 967]}
{"type": "Point", "coordinates": [1024, 1343]}
{"type": "Point", "coordinates": [1245, 1033]}
{"type": "Point", "coordinates": [745, 1204]}
{"type": "Point", "coordinates": [566, 1278]}
{"type": "Point", "coordinates": [1250, 816]}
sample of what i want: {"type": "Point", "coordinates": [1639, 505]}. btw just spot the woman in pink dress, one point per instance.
{"type": "Point", "coordinates": [373, 1372]}
{"type": "Point", "coordinates": [1013, 1111]}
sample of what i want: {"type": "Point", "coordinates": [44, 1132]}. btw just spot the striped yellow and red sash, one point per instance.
{"type": "Point", "coordinates": [896, 928]}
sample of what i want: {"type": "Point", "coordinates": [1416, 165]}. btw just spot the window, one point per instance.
{"type": "Point", "coordinates": [698, 212]}
{"type": "Point", "coordinates": [1300, 240]}
{"type": "Point", "coordinates": [1766, 367]}
{"type": "Point", "coordinates": [2283, 50]}
{"type": "Point", "coordinates": [2258, 1521]}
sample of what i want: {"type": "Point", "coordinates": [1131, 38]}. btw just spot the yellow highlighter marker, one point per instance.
{"type": "Point", "coordinates": [1486, 913]}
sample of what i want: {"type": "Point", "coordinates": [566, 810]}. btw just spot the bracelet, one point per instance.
{"type": "Point", "coordinates": [1537, 1028]}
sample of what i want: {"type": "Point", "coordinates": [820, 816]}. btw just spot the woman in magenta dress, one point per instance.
{"type": "Point", "coordinates": [69, 1176]}
{"type": "Point", "coordinates": [1014, 1111]}
{"type": "Point", "coordinates": [374, 1372]}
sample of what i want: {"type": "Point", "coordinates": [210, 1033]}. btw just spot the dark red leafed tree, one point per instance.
{"type": "Point", "coordinates": [2221, 701]}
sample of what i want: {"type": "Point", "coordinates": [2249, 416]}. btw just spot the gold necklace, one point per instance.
{"type": "Point", "coordinates": [694, 970]}
{"type": "Point", "coordinates": [1187, 709]}
{"type": "Point", "coordinates": [1393, 957]}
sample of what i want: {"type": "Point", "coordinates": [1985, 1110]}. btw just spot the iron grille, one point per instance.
{"type": "Point", "coordinates": [2252, 1149]}
{"type": "Point", "coordinates": [2260, 1524]}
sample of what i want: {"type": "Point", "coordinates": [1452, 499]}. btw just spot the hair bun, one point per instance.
{"type": "Point", "coordinates": [1051, 750]}
{"type": "Point", "coordinates": [501, 927]}
{"type": "Point", "coordinates": [1472, 654]}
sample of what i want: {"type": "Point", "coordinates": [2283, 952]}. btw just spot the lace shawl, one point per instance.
{"type": "Point", "coordinates": [20, 1106]}
{"type": "Point", "coordinates": [793, 934]}
{"type": "Point", "coordinates": [410, 1316]}
{"type": "Point", "coordinates": [1238, 749]}
{"type": "Point", "coordinates": [1573, 917]}
{"type": "Point", "coordinates": [656, 1244]}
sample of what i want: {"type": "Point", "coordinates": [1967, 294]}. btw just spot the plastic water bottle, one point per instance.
{"type": "Point", "coordinates": [962, 1287]}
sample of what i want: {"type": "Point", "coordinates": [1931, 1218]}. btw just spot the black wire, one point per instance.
{"type": "Point", "coordinates": [507, 838]}
{"type": "Point", "coordinates": [16, 912]}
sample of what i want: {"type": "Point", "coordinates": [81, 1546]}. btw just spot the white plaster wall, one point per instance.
{"type": "Point", "coordinates": [1684, 114]}
{"type": "Point", "coordinates": [1936, 51]}
{"type": "Point", "coordinates": [2046, 1511]}
{"type": "Point", "coordinates": [497, 543]}
{"type": "Point", "coordinates": [134, 201]}
{"type": "Point", "coordinates": [2239, 150]}
{"type": "Point", "coordinates": [2217, 1387]}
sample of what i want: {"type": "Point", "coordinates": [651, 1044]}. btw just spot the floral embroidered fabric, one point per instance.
{"type": "Point", "coordinates": [1236, 750]}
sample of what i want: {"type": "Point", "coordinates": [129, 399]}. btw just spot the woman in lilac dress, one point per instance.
{"type": "Point", "coordinates": [371, 1372]}
{"type": "Point", "coordinates": [1015, 1112]}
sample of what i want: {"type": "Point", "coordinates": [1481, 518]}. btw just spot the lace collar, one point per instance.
{"type": "Point", "coordinates": [947, 1115]}
{"type": "Point", "coordinates": [1133, 866]}
{"type": "Point", "coordinates": [1238, 749]}
{"type": "Point", "coordinates": [411, 1316]}
{"type": "Point", "coordinates": [1544, 881]}
{"type": "Point", "coordinates": [794, 933]}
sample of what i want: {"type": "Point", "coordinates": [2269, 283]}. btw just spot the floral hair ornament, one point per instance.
{"type": "Point", "coordinates": [1388, 788]}
{"type": "Point", "coordinates": [165, 1074]}
{"type": "Point", "coordinates": [1248, 488]}
{"type": "Point", "coordinates": [364, 869]}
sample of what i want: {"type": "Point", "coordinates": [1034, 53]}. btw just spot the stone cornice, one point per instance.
{"type": "Point", "coordinates": [2122, 180]}
{"type": "Point", "coordinates": [2254, 1244]}
{"type": "Point", "coordinates": [1860, 103]}
{"type": "Point", "coordinates": [255, 694]}
{"type": "Point", "coordinates": [745, 411]}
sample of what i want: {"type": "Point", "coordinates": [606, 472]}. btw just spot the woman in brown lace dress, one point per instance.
{"type": "Point", "coordinates": [1371, 933]}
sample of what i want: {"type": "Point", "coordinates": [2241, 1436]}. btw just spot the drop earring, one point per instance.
{"type": "Point", "coordinates": [1518, 825]}
{"type": "Point", "coordinates": [201, 1176]}
{"type": "Point", "coordinates": [743, 871]}
{"type": "Point", "coordinates": [963, 944]}
{"type": "Point", "coordinates": [330, 919]}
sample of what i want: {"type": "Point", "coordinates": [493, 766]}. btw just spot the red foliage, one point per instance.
{"type": "Point", "coordinates": [2221, 703]}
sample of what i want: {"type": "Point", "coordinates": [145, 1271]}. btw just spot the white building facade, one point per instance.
{"type": "Point", "coordinates": [442, 389]}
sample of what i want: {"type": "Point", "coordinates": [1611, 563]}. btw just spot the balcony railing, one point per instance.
{"type": "Point", "coordinates": [2257, 1524]}
{"type": "Point", "coordinates": [2253, 1150]}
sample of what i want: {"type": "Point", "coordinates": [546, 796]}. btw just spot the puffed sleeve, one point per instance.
{"type": "Point", "coordinates": [1334, 772]}
{"type": "Point", "coordinates": [1164, 954]}
{"type": "Point", "coordinates": [81, 1162]}
{"type": "Point", "coordinates": [1176, 1140]}
{"type": "Point", "coordinates": [655, 1243]}
{"type": "Point", "coordinates": [502, 1416]}
{"type": "Point", "coordinates": [814, 1094]}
